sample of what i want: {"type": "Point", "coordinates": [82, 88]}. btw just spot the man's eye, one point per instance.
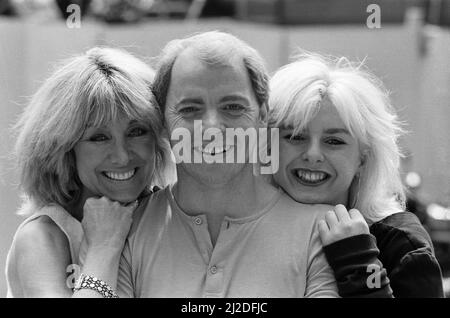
{"type": "Point", "coordinates": [188, 109]}
{"type": "Point", "coordinates": [138, 131]}
{"type": "Point", "coordinates": [234, 107]}
{"type": "Point", "coordinates": [98, 138]}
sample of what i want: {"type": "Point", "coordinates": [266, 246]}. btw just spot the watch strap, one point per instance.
{"type": "Point", "coordinates": [93, 283]}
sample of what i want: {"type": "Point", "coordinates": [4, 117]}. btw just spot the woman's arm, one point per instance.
{"type": "Point", "coordinates": [417, 275]}
{"type": "Point", "coordinates": [106, 225]}
{"type": "Point", "coordinates": [353, 254]}
{"type": "Point", "coordinates": [42, 255]}
{"type": "Point", "coordinates": [407, 253]}
{"type": "Point", "coordinates": [358, 271]}
{"type": "Point", "coordinates": [102, 263]}
{"type": "Point", "coordinates": [43, 252]}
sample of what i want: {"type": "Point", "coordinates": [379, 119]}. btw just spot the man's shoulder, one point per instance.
{"type": "Point", "coordinates": [293, 205]}
{"type": "Point", "coordinates": [152, 208]}
{"type": "Point", "coordinates": [300, 211]}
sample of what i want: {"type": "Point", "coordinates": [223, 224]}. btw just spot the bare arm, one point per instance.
{"type": "Point", "coordinates": [102, 263]}
{"type": "Point", "coordinates": [43, 256]}
{"type": "Point", "coordinates": [43, 252]}
{"type": "Point", "coordinates": [106, 225]}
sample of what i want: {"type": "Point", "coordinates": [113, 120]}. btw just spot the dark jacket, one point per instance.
{"type": "Point", "coordinates": [398, 250]}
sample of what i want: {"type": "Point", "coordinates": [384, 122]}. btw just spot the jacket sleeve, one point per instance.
{"type": "Point", "coordinates": [418, 275]}
{"type": "Point", "coordinates": [408, 256]}
{"type": "Point", "coordinates": [358, 271]}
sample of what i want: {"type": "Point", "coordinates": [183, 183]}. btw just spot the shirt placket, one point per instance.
{"type": "Point", "coordinates": [200, 229]}
{"type": "Point", "coordinates": [215, 280]}
{"type": "Point", "coordinates": [214, 258]}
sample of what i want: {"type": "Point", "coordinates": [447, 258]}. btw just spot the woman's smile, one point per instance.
{"type": "Point", "coordinates": [311, 177]}
{"type": "Point", "coordinates": [120, 176]}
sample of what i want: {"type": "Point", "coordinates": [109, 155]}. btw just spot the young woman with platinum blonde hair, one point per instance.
{"type": "Point", "coordinates": [338, 146]}
{"type": "Point", "coordinates": [90, 145]}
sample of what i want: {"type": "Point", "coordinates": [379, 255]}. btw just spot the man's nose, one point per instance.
{"type": "Point", "coordinates": [212, 119]}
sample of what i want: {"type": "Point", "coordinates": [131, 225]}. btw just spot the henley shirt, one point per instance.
{"type": "Point", "coordinates": [275, 252]}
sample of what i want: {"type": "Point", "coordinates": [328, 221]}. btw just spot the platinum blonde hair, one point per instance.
{"type": "Point", "coordinates": [297, 90]}
{"type": "Point", "coordinates": [90, 89]}
{"type": "Point", "coordinates": [213, 48]}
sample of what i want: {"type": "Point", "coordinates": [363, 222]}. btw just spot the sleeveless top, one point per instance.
{"type": "Point", "coordinates": [70, 226]}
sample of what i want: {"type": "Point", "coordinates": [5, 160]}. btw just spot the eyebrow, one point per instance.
{"type": "Point", "coordinates": [131, 122]}
{"type": "Point", "coordinates": [333, 131]}
{"type": "Point", "coordinates": [190, 101]}
{"type": "Point", "coordinates": [232, 98]}
{"type": "Point", "coordinates": [227, 98]}
{"type": "Point", "coordinates": [330, 131]}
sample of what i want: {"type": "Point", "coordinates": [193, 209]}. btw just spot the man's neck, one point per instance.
{"type": "Point", "coordinates": [241, 196]}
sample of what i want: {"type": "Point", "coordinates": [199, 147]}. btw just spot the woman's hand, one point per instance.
{"type": "Point", "coordinates": [106, 223]}
{"type": "Point", "coordinates": [340, 224]}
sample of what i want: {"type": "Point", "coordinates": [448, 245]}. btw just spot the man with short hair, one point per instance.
{"type": "Point", "coordinates": [222, 230]}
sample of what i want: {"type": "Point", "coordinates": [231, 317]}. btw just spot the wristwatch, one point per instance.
{"type": "Point", "coordinates": [91, 282]}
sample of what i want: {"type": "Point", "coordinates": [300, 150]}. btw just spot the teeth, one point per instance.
{"type": "Point", "coordinates": [310, 176]}
{"type": "Point", "coordinates": [120, 176]}
{"type": "Point", "coordinates": [214, 150]}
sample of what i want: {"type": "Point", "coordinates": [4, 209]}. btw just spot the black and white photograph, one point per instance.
{"type": "Point", "coordinates": [240, 150]}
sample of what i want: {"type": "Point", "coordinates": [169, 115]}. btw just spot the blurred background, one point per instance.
{"type": "Point", "coordinates": [408, 48]}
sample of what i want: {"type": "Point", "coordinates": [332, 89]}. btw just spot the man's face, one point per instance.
{"type": "Point", "coordinates": [218, 97]}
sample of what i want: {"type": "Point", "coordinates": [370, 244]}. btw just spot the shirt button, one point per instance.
{"type": "Point", "coordinates": [213, 270]}
{"type": "Point", "coordinates": [198, 221]}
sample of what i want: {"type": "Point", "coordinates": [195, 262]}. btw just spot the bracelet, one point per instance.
{"type": "Point", "coordinates": [91, 282]}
